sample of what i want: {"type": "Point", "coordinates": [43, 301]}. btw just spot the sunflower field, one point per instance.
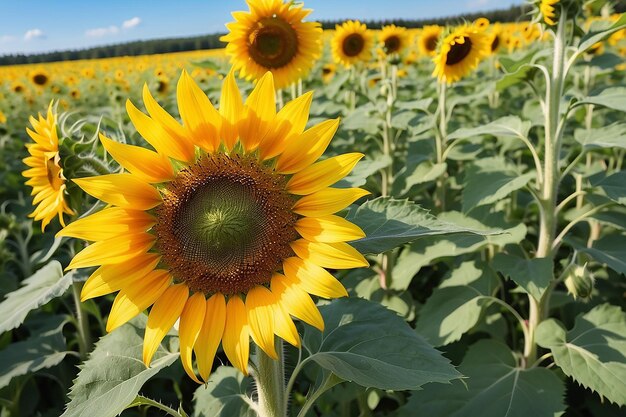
{"type": "Point", "coordinates": [350, 222]}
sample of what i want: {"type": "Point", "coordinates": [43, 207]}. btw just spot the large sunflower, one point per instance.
{"type": "Point", "coordinates": [273, 37]}
{"type": "Point", "coordinates": [45, 174]}
{"type": "Point", "coordinates": [428, 39]}
{"type": "Point", "coordinates": [352, 43]}
{"type": "Point", "coordinates": [393, 39]}
{"type": "Point", "coordinates": [460, 52]}
{"type": "Point", "coordinates": [232, 208]}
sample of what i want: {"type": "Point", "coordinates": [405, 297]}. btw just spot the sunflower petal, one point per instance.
{"type": "Point", "coordinates": [143, 163]}
{"type": "Point", "coordinates": [135, 299]}
{"type": "Point", "coordinates": [109, 223]}
{"type": "Point", "coordinates": [327, 201]}
{"type": "Point", "coordinates": [303, 150]}
{"type": "Point", "coordinates": [113, 251]}
{"type": "Point", "coordinates": [210, 334]}
{"type": "Point", "coordinates": [329, 255]}
{"type": "Point", "coordinates": [191, 320]}
{"type": "Point", "coordinates": [296, 301]}
{"type": "Point", "coordinates": [322, 174]}
{"type": "Point", "coordinates": [124, 190]}
{"type": "Point", "coordinates": [260, 110]}
{"type": "Point", "coordinates": [313, 278]}
{"type": "Point", "coordinates": [198, 114]}
{"type": "Point", "coordinates": [284, 326]}
{"type": "Point", "coordinates": [231, 109]}
{"type": "Point", "coordinates": [163, 314]}
{"type": "Point", "coordinates": [328, 229]}
{"type": "Point", "coordinates": [260, 306]}
{"type": "Point", "coordinates": [236, 339]}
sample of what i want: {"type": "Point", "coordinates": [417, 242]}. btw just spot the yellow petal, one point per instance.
{"type": "Point", "coordinates": [290, 122]}
{"type": "Point", "coordinates": [260, 306]}
{"type": "Point", "coordinates": [296, 301]}
{"type": "Point", "coordinates": [260, 110]}
{"type": "Point", "coordinates": [313, 278]}
{"type": "Point", "coordinates": [124, 190]}
{"type": "Point", "coordinates": [163, 314]}
{"type": "Point", "coordinates": [231, 109]}
{"type": "Point", "coordinates": [329, 255]}
{"type": "Point", "coordinates": [113, 251]}
{"type": "Point", "coordinates": [303, 150]}
{"type": "Point", "coordinates": [198, 114]}
{"type": "Point", "coordinates": [328, 229]}
{"type": "Point", "coordinates": [284, 326]}
{"type": "Point", "coordinates": [135, 299]}
{"type": "Point", "coordinates": [328, 201]}
{"type": "Point", "coordinates": [236, 339]}
{"type": "Point", "coordinates": [144, 164]}
{"type": "Point", "coordinates": [322, 174]}
{"type": "Point", "coordinates": [157, 136]}
{"type": "Point", "coordinates": [189, 328]}
{"type": "Point", "coordinates": [109, 223]}
{"type": "Point", "coordinates": [210, 334]}
{"type": "Point", "coordinates": [111, 278]}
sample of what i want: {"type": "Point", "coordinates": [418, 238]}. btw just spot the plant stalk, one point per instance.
{"type": "Point", "coordinates": [270, 380]}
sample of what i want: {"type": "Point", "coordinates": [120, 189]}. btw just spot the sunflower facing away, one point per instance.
{"type": "Point", "coordinates": [548, 11]}
{"type": "Point", "coordinates": [460, 52]}
{"type": "Point", "coordinates": [45, 174]}
{"type": "Point", "coordinates": [428, 39]}
{"type": "Point", "coordinates": [393, 39]}
{"type": "Point", "coordinates": [228, 225]}
{"type": "Point", "coordinates": [351, 43]}
{"type": "Point", "coordinates": [273, 37]}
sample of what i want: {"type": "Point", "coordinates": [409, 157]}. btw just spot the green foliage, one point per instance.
{"type": "Point", "coordinates": [225, 395]}
{"type": "Point", "coordinates": [533, 275]}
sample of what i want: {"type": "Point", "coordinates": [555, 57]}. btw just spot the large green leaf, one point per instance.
{"type": "Point", "coordinates": [509, 127]}
{"type": "Point", "coordinates": [596, 35]}
{"type": "Point", "coordinates": [533, 275]}
{"type": "Point", "coordinates": [496, 387]}
{"type": "Point", "coordinates": [609, 250]}
{"type": "Point", "coordinates": [46, 284]}
{"type": "Point", "coordinates": [114, 373]}
{"type": "Point", "coordinates": [593, 352]}
{"type": "Point", "coordinates": [44, 349]}
{"type": "Point", "coordinates": [614, 185]}
{"type": "Point", "coordinates": [611, 97]}
{"type": "Point", "coordinates": [389, 223]}
{"type": "Point", "coordinates": [611, 136]}
{"type": "Point", "coordinates": [365, 343]}
{"type": "Point", "coordinates": [225, 395]}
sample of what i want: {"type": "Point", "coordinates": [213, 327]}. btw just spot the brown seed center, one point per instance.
{"type": "Point", "coordinates": [459, 51]}
{"type": "Point", "coordinates": [353, 45]}
{"type": "Point", "coordinates": [273, 42]}
{"type": "Point", "coordinates": [392, 44]}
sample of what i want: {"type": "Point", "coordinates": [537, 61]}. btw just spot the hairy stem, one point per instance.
{"type": "Point", "coordinates": [270, 379]}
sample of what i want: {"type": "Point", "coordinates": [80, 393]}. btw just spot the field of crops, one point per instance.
{"type": "Point", "coordinates": [356, 222]}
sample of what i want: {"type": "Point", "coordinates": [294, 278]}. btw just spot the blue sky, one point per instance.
{"type": "Point", "coordinates": [28, 26]}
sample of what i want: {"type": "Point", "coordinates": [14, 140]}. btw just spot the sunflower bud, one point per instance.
{"type": "Point", "coordinates": [579, 281]}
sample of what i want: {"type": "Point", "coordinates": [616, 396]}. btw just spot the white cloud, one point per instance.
{"type": "Point", "coordinates": [33, 34]}
{"type": "Point", "coordinates": [6, 38]}
{"type": "Point", "coordinates": [100, 32]}
{"type": "Point", "coordinates": [131, 23]}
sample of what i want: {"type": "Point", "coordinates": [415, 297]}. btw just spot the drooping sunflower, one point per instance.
{"type": "Point", "coordinates": [272, 37]}
{"type": "Point", "coordinates": [352, 43]}
{"type": "Point", "coordinates": [45, 174]}
{"type": "Point", "coordinates": [393, 39]}
{"type": "Point", "coordinates": [228, 225]}
{"type": "Point", "coordinates": [39, 77]}
{"type": "Point", "coordinates": [428, 39]}
{"type": "Point", "coordinates": [548, 11]}
{"type": "Point", "coordinates": [460, 52]}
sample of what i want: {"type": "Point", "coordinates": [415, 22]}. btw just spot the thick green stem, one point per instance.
{"type": "Point", "coordinates": [84, 335]}
{"type": "Point", "coordinates": [440, 146]}
{"type": "Point", "coordinates": [270, 380]}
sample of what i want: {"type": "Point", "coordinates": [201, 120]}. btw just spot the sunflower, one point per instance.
{"type": "Point", "coordinates": [45, 173]}
{"type": "Point", "coordinates": [548, 11]}
{"type": "Point", "coordinates": [460, 52]}
{"type": "Point", "coordinates": [18, 87]}
{"type": "Point", "coordinates": [272, 37]}
{"type": "Point", "coordinates": [495, 38]}
{"type": "Point", "coordinates": [232, 208]}
{"type": "Point", "coordinates": [328, 72]}
{"type": "Point", "coordinates": [351, 43]}
{"type": "Point", "coordinates": [3, 118]}
{"type": "Point", "coordinates": [394, 39]}
{"type": "Point", "coordinates": [428, 39]}
{"type": "Point", "coordinates": [39, 77]}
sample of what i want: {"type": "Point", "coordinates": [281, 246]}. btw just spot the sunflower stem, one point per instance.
{"type": "Point", "coordinates": [270, 380]}
{"type": "Point", "coordinates": [440, 145]}
{"type": "Point", "coordinates": [84, 335]}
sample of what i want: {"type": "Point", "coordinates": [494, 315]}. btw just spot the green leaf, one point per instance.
{"type": "Point", "coordinates": [225, 395]}
{"type": "Point", "coordinates": [44, 349]}
{"type": "Point", "coordinates": [496, 387]}
{"type": "Point", "coordinates": [389, 223]}
{"type": "Point", "coordinates": [614, 186]}
{"type": "Point", "coordinates": [365, 343]}
{"type": "Point", "coordinates": [362, 120]}
{"type": "Point", "coordinates": [517, 69]}
{"type": "Point", "coordinates": [611, 136]}
{"type": "Point", "coordinates": [424, 172]}
{"type": "Point", "coordinates": [596, 36]}
{"type": "Point", "coordinates": [593, 352]}
{"type": "Point", "coordinates": [509, 127]}
{"type": "Point", "coordinates": [533, 275]}
{"type": "Point", "coordinates": [612, 97]}
{"type": "Point", "coordinates": [46, 284]}
{"type": "Point", "coordinates": [609, 250]}
{"type": "Point", "coordinates": [363, 170]}
{"type": "Point", "coordinates": [114, 373]}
